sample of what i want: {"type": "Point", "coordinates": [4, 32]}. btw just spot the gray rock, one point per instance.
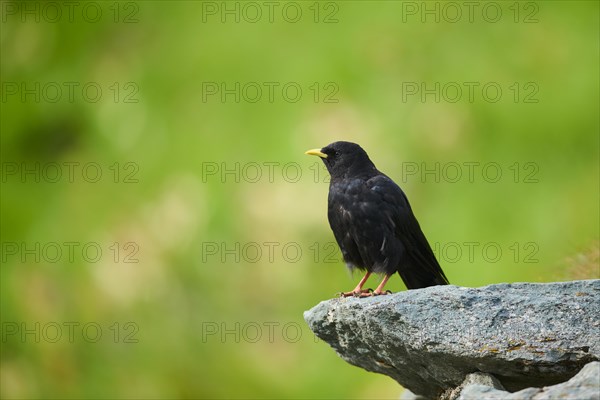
{"type": "Point", "coordinates": [408, 395]}
{"type": "Point", "coordinates": [583, 386]}
{"type": "Point", "coordinates": [478, 379]}
{"type": "Point", "coordinates": [429, 340]}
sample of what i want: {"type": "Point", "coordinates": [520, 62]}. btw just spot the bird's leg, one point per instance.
{"type": "Point", "coordinates": [379, 289]}
{"type": "Point", "coordinates": [358, 290]}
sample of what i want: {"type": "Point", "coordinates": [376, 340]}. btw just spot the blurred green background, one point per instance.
{"type": "Point", "coordinates": [210, 220]}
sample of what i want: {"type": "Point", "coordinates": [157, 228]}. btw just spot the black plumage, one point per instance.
{"type": "Point", "coordinates": [373, 223]}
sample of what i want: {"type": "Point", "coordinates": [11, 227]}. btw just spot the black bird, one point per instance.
{"type": "Point", "coordinates": [373, 222]}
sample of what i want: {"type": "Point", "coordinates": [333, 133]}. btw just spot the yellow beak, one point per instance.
{"type": "Point", "coordinates": [316, 152]}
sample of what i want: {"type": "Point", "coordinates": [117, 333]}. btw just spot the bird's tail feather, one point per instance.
{"type": "Point", "coordinates": [423, 269]}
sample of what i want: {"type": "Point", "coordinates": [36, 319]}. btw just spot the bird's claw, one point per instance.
{"type": "Point", "coordinates": [376, 293]}
{"type": "Point", "coordinates": [362, 293]}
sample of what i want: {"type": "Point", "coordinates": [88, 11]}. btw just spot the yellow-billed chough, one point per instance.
{"type": "Point", "coordinates": [373, 222]}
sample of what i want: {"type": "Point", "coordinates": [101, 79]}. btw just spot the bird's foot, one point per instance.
{"type": "Point", "coordinates": [356, 293]}
{"type": "Point", "coordinates": [381, 293]}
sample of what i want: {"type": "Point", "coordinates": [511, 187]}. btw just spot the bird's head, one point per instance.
{"type": "Point", "coordinates": [344, 159]}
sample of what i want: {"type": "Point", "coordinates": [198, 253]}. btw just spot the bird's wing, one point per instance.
{"type": "Point", "coordinates": [421, 268]}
